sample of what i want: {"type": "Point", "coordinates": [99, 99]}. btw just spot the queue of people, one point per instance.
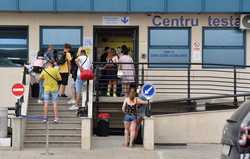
{"type": "Point", "coordinates": [52, 72]}
{"type": "Point", "coordinates": [119, 66]}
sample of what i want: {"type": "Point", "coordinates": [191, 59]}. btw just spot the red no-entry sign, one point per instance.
{"type": "Point", "coordinates": [18, 89]}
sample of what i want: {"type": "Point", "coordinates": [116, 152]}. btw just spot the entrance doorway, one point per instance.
{"type": "Point", "coordinates": [113, 37]}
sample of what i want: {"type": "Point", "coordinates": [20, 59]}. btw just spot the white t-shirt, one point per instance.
{"type": "Point", "coordinates": [84, 64]}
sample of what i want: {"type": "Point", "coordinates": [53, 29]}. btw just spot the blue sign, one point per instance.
{"type": "Point", "coordinates": [125, 20]}
{"type": "Point", "coordinates": [148, 91]}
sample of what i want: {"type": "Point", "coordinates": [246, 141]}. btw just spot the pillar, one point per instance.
{"type": "Point", "coordinates": [86, 133]}
{"type": "Point", "coordinates": [18, 126]}
{"type": "Point", "coordinates": [148, 141]}
{"type": "Point", "coordinates": [3, 122]}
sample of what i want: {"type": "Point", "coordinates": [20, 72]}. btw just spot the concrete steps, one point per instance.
{"type": "Point", "coordinates": [65, 133]}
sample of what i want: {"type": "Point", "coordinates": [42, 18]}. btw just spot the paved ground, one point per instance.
{"type": "Point", "coordinates": [110, 148]}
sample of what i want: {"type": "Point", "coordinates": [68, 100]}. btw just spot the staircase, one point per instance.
{"type": "Point", "coordinates": [66, 133]}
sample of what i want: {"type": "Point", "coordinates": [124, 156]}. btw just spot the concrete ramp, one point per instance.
{"type": "Point", "coordinates": [197, 127]}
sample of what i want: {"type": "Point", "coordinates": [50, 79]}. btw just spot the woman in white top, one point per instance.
{"type": "Point", "coordinates": [83, 62]}
{"type": "Point", "coordinates": [127, 68]}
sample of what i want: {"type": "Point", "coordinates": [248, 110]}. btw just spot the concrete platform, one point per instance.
{"type": "Point", "coordinates": [110, 148]}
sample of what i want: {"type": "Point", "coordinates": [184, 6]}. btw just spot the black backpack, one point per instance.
{"type": "Point", "coordinates": [62, 59]}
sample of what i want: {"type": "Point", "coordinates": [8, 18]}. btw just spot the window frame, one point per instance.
{"type": "Point", "coordinates": [189, 29]}
{"type": "Point", "coordinates": [223, 47]}
{"type": "Point", "coordinates": [28, 46]}
{"type": "Point", "coordinates": [59, 27]}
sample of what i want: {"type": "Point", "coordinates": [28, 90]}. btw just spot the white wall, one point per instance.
{"type": "Point", "coordinates": [200, 127]}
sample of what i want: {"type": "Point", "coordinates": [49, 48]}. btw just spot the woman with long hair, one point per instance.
{"type": "Point", "coordinates": [83, 62]}
{"type": "Point", "coordinates": [129, 108]}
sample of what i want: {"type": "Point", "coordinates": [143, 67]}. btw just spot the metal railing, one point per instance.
{"type": "Point", "coordinates": [181, 81]}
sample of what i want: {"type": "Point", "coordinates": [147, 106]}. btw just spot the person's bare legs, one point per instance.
{"type": "Point", "coordinates": [62, 89]}
{"type": "Point", "coordinates": [114, 84]}
{"type": "Point", "coordinates": [132, 133]}
{"type": "Point", "coordinates": [55, 110]}
{"type": "Point", "coordinates": [45, 110]}
{"type": "Point", "coordinates": [78, 97]}
{"type": "Point", "coordinates": [109, 87]}
{"type": "Point", "coordinates": [126, 133]}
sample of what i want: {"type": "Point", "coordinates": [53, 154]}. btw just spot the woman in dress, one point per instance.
{"type": "Point", "coordinates": [127, 68]}
{"type": "Point", "coordinates": [111, 71]}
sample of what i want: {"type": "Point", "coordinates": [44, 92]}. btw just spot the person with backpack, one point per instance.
{"type": "Point", "coordinates": [64, 68]}
{"type": "Point", "coordinates": [50, 76]}
{"type": "Point", "coordinates": [83, 62]}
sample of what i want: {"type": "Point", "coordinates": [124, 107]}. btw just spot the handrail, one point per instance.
{"type": "Point", "coordinates": [189, 83]}
{"type": "Point", "coordinates": [173, 63]}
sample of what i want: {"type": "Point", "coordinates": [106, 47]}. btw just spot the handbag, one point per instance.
{"type": "Point", "coordinates": [86, 74]}
{"type": "Point", "coordinates": [119, 73]}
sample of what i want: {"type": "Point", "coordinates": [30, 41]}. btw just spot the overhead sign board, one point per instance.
{"type": "Point", "coordinates": [115, 20]}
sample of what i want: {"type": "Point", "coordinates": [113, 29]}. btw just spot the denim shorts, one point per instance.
{"type": "Point", "coordinates": [78, 85]}
{"type": "Point", "coordinates": [50, 96]}
{"type": "Point", "coordinates": [129, 118]}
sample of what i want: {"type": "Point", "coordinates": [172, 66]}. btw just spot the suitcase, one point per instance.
{"type": "Point", "coordinates": [35, 90]}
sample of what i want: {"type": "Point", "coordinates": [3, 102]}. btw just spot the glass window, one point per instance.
{"type": "Point", "coordinates": [13, 46]}
{"type": "Point", "coordinates": [58, 36]}
{"type": "Point", "coordinates": [223, 46]}
{"type": "Point", "coordinates": [169, 45]}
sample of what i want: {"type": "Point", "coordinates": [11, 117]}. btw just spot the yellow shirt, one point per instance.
{"type": "Point", "coordinates": [50, 84]}
{"type": "Point", "coordinates": [66, 66]}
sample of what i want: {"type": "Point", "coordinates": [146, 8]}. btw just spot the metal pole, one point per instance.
{"type": "Point", "coordinates": [47, 140]}
{"type": "Point", "coordinates": [142, 75]}
{"type": "Point", "coordinates": [235, 87]}
{"type": "Point", "coordinates": [97, 89]}
{"type": "Point", "coordinates": [189, 87]}
{"type": "Point", "coordinates": [149, 109]}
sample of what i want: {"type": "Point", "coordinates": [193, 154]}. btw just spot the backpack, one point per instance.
{"type": "Point", "coordinates": [62, 59]}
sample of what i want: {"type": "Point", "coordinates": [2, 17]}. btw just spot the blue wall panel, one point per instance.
{"type": "Point", "coordinates": [73, 5]}
{"type": "Point", "coordinates": [147, 5]}
{"type": "Point", "coordinates": [111, 5]}
{"type": "Point", "coordinates": [8, 5]}
{"type": "Point", "coordinates": [222, 5]}
{"type": "Point", "coordinates": [184, 5]}
{"type": "Point", "coordinates": [36, 5]}
{"type": "Point", "coordinates": [246, 6]}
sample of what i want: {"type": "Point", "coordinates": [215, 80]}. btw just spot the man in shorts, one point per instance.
{"type": "Point", "coordinates": [64, 69]}
{"type": "Point", "coordinates": [50, 76]}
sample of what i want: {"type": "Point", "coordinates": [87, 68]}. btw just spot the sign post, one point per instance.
{"type": "Point", "coordinates": [148, 92]}
{"type": "Point", "coordinates": [18, 91]}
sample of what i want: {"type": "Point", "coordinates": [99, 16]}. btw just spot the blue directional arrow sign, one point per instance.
{"type": "Point", "coordinates": [148, 91]}
{"type": "Point", "coordinates": [125, 19]}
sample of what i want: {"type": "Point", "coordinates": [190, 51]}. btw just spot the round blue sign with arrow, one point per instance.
{"type": "Point", "coordinates": [148, 91]}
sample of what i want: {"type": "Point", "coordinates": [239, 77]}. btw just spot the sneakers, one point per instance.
{"type": "Point", "coordinates": [108, 94]}
{"type": "Point", "coordinates": [56, 120]}
{"type": "Point", "coordinates": [72, 101]}
{"type": "Point", "coordinates": [45, 119]}
{"type": "Point", "coordinates": [39, 101]}
{"type": "Point", "coordinates": [114, 95]}
{"type": "Point", "coordinates": [73, 107]}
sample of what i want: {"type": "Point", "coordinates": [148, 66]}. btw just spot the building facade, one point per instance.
{"type": "Point", "coordinates": [156, 31]}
